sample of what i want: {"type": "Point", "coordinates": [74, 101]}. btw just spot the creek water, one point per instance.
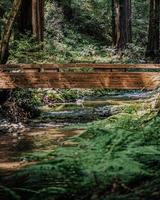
{"type": "Point", "coordinates": [49, 131]}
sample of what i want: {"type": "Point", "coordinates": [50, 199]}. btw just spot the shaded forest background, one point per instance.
{"type": "Point", "coordinates": [82, 30]}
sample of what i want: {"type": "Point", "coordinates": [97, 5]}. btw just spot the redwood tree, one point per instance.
{"type": "Point", "coordinates": [121, 22]}
{"type": "Point", "coordinates": [153, 47]}
{"type": "Point", "coordinates": [32, 18]}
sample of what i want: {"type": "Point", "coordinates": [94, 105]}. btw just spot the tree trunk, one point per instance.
{"type": "Point", "coordinates": [113, 23]}
{"type": "Point", "coordinates": [1, 17]}
{"type": "Point", "coordinates": [8, 30]}
{"type": "Point", "coordinates": [122, 33]}
{"type": "Point", "coordinates": [38, 19]}
{"type": "Point", "coordinates": [31, 18]}
{"type": "Point", "coordinates": [25, 17]}
{"type": "Point", "coordinates": [153, 47]}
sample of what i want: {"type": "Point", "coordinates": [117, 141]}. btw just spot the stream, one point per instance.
{"type": "Point", "coordinates": [50, 131]}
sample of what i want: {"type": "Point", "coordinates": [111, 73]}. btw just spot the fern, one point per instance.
{"type": "Point", "coordinates": [119, 152]}
{"type": "Point", "coordinates": [7, 193]}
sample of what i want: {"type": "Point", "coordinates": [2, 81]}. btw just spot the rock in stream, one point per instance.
{"type": "Point", "coordinates": [80, 115]}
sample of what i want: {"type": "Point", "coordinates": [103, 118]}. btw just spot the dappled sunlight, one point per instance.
{"type": "Point", "coordinates": [14, 148]}
{"type": "Point", "coordinates": [79, 100]}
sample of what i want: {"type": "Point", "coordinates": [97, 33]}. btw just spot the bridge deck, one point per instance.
{"type": "Point", "coordinates": [80, 75]}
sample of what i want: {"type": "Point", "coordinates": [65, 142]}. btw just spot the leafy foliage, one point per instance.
{"type": "Point", "coordinates": [117, 158]}
{"type": "Point", "coordinates": [4, 7]}
{"type": "Point", "coordinates": [21, 105]}
{"type": "Point", "coordinates": [82, 31]}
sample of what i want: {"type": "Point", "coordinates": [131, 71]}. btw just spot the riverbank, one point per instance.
{"type": "Point", "coordinates": [20, 143]}
{"type": "Point", "coordinates": [114, 157]}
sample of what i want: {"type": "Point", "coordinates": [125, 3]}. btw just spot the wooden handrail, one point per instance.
{"type": "Point", "coordinates": [81, 65]}
{"type": "Point", "coordinates": [111, 76]}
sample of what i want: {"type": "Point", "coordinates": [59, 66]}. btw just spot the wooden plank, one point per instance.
{"type": "Point", "coordinates": [82, 75]}
{"type": "Point", "coordinates": [112, 80]}
{"type": "Point", "coordinates": [114, 66]}
{"type": "Point", "coordinates": [79, 65]}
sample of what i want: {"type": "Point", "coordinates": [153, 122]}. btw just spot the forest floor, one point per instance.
{"type": "Point", "coordinates": [61, 155]}
{"type": "Point", "coordinates": [43, 136]}
{"type": "Point", "coordinates": [51, 131]}
{"type": "Point", "coordinates": [14, 148]}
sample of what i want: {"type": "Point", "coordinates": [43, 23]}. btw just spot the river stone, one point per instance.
{"type": "Point", "coordinates": [8, 127]}
{"type": "Point", "coordinates": [80, 115]}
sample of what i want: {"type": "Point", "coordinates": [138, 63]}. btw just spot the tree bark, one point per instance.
{"type": "Point", "coordinates": [1, 17]}
{"type": "Point", "coordinates": [121, 23]}
{"type": "Point", "coordinates": [113, 23]}
{"type": "Point", "coordinates": [31, 18]}
{"type": "Point", "coordinates": [153, 47]}
{"type": "Point", "coordinates": [8, 30]}
{"type": "Point", "coordinates": [25, 17]}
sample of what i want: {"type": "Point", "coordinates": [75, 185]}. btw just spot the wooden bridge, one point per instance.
{"type": "Point", "coordinates": [80, 75]}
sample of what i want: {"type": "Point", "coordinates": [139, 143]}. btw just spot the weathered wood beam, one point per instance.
{"type": "Point", "coordinates": [110, 80]}
{"type": "Point", "coordinates": [81, 65]}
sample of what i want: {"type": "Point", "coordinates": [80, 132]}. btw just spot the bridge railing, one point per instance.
{"type": "Point", "coordinates": [80, 75]}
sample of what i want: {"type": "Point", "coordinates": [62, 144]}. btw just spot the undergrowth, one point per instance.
{"type": "Point", "coordinates": [70, 39]}
{"type": "Point", "coordinates": [20, 105]}
{"type": "Point", "coordinates": [118, 158]}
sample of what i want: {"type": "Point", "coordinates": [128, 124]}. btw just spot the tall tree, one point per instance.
{"type": "Point", "coordinates": [153, 47]}
{"type": "Point", "coordinates": [8, 30]}
{"type": "Point", "coordinates": [1, 17]}
{"type": "Point", "coordinates": [121, 22]}
{"type": "Point", "coordinates": [25, 17]}
{"type": "Point", "coordinates": [32, 18]}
